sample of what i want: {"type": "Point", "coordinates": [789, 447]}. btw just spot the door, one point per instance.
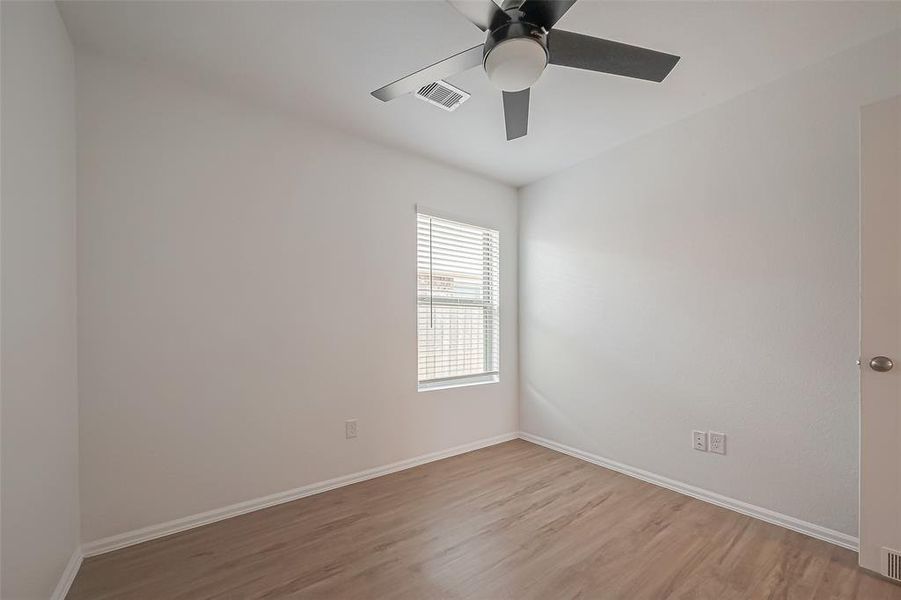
{"type": "Point", "coordinates": [880, 339]}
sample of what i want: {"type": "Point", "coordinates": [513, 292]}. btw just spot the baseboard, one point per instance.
{"type": "Point", "coordinates": [153, 532]}
{"type": "Point", "coordinates": [163, 529]}
{"type": "Point", "coordinates": [816, 531]}
{"type": "Point", "coordinates": [68, 576]}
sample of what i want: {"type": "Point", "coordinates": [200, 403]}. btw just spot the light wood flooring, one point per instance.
{"type": "Point", "coordinates": [514, 520]}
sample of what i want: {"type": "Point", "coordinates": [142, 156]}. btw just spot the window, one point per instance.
{"type": "Point", "coordinates": [457, 303]}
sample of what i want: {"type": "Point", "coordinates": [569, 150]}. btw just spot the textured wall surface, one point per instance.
{"type": "Point", "coordinates": [705, 276]}
{"type": "Point", "coordinates": [39, 388]}
{"type": "Point", "coordinates": [246, 284]}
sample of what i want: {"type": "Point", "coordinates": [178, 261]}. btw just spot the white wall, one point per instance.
{"type": "Point", "coordinates": [246, 284]}
{"type": "Point", "coordinates": [704, 277]}
{"type": "Point", "coordinates": [40, 520]}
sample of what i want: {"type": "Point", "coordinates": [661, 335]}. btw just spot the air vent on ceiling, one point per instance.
{"type": "Point", "coordinates": [891, 564]}
{"type": "Point", "coordinates": [443, 95]}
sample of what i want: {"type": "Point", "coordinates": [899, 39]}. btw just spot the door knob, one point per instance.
{"type": "Point", "coordinates": [881, 364]}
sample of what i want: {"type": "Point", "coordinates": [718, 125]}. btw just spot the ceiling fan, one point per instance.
{"type": "Point", "coordinates": [521, 42]}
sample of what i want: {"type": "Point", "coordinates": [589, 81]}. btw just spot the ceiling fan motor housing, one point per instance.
{"type": "Point", "coordinates": [515, 55]}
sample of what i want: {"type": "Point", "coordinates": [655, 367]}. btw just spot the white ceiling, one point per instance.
{"type": "Point", "coordinates": [321, 60]}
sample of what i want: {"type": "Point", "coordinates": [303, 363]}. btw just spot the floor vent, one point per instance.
{"type": "Point", "coordinates": [443, 95]}
{"type": "Point", "coordinates": [891, 564]}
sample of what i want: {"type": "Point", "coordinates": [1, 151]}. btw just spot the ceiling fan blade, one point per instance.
{"type": "Point", "coordinates": [449, 66]}
{"type": "Point", "coordinates": [595, 54]}
{"type": "Point", "coordinates": [484, 14]}
{"type": "Point", "coordinates": [545, 12]}
{"type": "Point", "coordinates": [516, 113]}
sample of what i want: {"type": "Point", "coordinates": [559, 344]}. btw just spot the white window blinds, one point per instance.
{"type": "Point", "coordinates": [457, 302]}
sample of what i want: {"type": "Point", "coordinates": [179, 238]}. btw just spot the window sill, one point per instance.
{"type": "Point", "coordinates": [458, 382]}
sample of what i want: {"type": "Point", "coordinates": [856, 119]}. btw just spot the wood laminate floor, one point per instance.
{"type": "Point", "coordinates": [514, 520]}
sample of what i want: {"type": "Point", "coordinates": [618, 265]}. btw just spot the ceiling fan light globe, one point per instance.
{"type": "Point", "coordinates": [515, 64]}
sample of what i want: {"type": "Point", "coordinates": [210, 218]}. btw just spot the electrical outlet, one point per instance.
{"type": "Point", "coordinates": [699, 440]}
{"type": "Point", "coordinates": [717, 442]}
{"type": "Point", "coordinates": [350, 428]}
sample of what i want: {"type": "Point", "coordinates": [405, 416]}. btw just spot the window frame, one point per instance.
{"type": "Point", "coordinates": [488, 376]}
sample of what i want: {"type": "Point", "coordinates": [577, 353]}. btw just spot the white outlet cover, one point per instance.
{"type": "Point", "coordinates": [699, 440]}
{"type": "Point", "coordinates": [717, 442]}
{"type": "Point", "coordinates": [350, 428]}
